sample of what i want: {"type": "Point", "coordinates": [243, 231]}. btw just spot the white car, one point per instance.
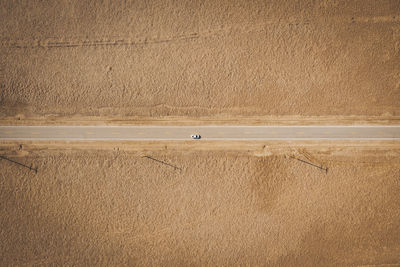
{"type": "Point", "coordinates": [195, 136]}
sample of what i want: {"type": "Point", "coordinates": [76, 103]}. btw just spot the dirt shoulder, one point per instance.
{"type": "Point", "coordinates": [20, 119]}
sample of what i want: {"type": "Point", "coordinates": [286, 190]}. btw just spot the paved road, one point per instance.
{"type": "Point", "coordinates": [206, 132]}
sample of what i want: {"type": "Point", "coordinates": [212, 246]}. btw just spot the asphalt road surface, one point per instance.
{"type": "Point", "coordinates": [206, 132]}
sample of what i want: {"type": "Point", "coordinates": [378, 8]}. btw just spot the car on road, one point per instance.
{"type": "Point", "coordinates": [195, 136]}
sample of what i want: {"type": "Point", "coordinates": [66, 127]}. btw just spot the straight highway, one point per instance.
{"type": "Point", "coordinates": [149, 133]}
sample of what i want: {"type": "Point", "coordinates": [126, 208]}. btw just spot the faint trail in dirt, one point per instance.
{"type": "Point", "coordinates": [216, 30]}
{"type": "Point", "coordinates": [93, 43]}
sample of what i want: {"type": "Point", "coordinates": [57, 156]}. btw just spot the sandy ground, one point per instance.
{"type": "Point", "coordinates": [252, 206]}
{"type": "Point", "coordinates": [200, 62]}
{"type": "Point", "coordinates": [140, 61]}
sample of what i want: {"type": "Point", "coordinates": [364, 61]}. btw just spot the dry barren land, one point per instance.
{"type": "Point", "coordinates": [154, 62]}
{"type": "Point", "coordinates": [228, 206]}
{"type": "Point", "coordinates": [200, 61]}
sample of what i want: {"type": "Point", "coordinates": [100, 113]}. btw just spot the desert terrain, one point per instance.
{"type": "Point", "coordinates": [241, 62]}
{"type": "Point", "coordinates": [224, 206]}
{"type": "Point", "coordinates": [214, 203]}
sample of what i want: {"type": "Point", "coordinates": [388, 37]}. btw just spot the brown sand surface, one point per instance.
{"type": "Point", "coordinates": [200, 62]}
{"type": "Point", "coordinates": [253, 206]}
{"type": "Point", "coordinates": [139, 61]}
